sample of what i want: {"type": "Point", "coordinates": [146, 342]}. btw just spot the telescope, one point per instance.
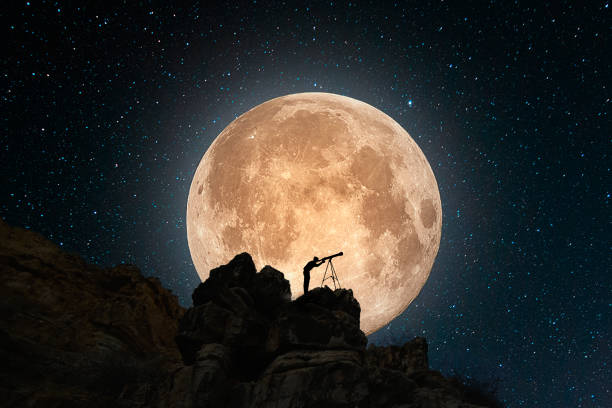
{"type": "Point", "coordinates": [331, 256]}
{"type": "Point", "coordinates": [332, 271]}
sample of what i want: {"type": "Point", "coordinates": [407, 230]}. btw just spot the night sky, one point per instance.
{"type": "Point", "coordinates": [107, 111]}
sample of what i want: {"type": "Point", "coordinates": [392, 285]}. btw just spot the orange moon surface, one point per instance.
{"type": "Point", "coordinates": [315, 174]}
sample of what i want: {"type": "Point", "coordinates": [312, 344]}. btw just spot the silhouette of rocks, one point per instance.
{"type": "Point", "coordinates": [72, 334]}
{"type": "Point", "coordinates": [238, 273]}
{"type": "Point", "coordinates": [251, 347]}
{"type": "Point", "coordinates": [321, 319]}
{"type": "Point", "coordinates": [270, 289]}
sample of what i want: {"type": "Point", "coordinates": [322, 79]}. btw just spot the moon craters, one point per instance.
{"type": "Point", "coordinates": [427, 213]}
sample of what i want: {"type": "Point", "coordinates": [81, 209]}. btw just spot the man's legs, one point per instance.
{"type": "Point", "coordinates": [306, 280]}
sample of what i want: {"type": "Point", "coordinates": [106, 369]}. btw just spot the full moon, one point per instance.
{"type": "Point", "coordinates": [313, 174]}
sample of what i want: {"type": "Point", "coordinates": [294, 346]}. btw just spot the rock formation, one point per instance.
{"type": "Point", "coordinates": [72, 334]}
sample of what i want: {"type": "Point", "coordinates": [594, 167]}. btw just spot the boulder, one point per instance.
{"type": "Point", "coordinates": [238, 272]}
{"type": "Point", "coordinates": [337, 300]}
{"type": "Point", "coordinates": [321, 319]}
{"type": "Point", "coordinates": [270, 289]}
{"type": "Point", "coordinates": [238, 327]}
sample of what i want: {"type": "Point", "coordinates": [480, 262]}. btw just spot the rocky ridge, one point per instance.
{"type": "Point", "coordinates": [73, 334]}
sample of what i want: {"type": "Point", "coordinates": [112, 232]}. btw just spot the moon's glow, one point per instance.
{"type": "Point", "coordinates": [314, 174]}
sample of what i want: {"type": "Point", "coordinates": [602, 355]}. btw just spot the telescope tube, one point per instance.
{"type": "Point", "coordinates": [332, 256]}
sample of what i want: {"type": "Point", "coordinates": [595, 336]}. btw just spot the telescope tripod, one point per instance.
{"type": "Point", "coordinates": [332, 275]}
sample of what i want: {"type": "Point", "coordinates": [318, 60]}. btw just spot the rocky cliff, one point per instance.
{"type": "Point", "coordinates": [72, 334]}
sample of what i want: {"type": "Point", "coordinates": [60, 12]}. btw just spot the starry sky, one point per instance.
{"type": "Point", "coordinates": [107, 110]}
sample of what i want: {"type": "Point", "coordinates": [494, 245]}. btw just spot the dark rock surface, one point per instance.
{"type": "Point", "coordinates": [72, 334]}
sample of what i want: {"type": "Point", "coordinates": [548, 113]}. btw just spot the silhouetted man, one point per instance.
{"type": "Point", "coordinates": [312, 264]}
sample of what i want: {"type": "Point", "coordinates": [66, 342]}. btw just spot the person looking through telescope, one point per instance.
{"type": "Point", "coordinates": [315, 263]}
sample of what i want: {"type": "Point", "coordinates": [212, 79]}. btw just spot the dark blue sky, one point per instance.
{"type": "Point", "coordinates": [106, 112]}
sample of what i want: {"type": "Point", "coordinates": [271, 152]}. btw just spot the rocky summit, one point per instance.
{"type": "Point", "coordinates": [76, 335]}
